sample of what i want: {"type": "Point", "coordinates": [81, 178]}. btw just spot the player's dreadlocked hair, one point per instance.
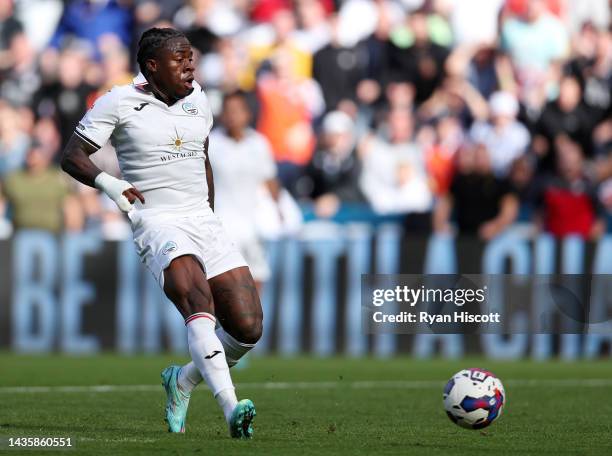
{"type": "Point", "coordinates": [152, 41]}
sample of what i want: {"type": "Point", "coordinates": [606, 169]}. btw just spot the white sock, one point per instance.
{"type": "Point", "coordinates": [189, 377]}
{"type": "Point", "coordinates": [208, 355]}
{"type": "Point", "coordinates": [227, 401]}
{"type": "Point", "coordinates": [234, 350]}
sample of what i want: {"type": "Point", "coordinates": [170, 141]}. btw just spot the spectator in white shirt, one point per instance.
{"type": "Point", "coordinates": [504, 137]}
{"type": "Point", "coordinates": [394, 179]}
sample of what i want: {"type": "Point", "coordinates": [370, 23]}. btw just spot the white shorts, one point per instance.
{"type": "Point", "coordinates": [160, 239]}
{"type": "Point", "coordinates": [255, 256]}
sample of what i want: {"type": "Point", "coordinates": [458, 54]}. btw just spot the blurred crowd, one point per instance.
{"type": "Point", "coordinates": [454, 115]}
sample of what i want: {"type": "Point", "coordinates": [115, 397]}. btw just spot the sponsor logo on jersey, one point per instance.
{"type": "Point", "coordinates": [190, 108]}
{"type": "Point", "coordinates": [170, 246]}
{"type": "Point", "coordinates": [142, 105]}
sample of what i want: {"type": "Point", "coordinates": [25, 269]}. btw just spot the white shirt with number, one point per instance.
{"type": "Point", "coordinates": [160, 148]}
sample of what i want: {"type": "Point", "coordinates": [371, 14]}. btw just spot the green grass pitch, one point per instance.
{"type": "Point", "coordinates": [306, 406]}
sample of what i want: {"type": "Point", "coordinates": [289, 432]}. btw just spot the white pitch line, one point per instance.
{"type": "Point", "coordinates": [121, 440]}
{"type": "Point", "coordinates": [362, 384]}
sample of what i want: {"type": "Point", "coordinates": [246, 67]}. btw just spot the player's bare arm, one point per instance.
{"type": "Point", "coordinates": [77, 163]}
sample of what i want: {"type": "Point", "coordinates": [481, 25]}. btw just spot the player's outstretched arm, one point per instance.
{"type": "Point", "coordinates": [76, 162]}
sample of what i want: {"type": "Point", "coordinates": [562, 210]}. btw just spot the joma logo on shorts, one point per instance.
{"type": "Point", "coordinates": [169, 247]}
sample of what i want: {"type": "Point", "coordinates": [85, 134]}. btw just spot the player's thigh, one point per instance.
{"type": "Point", "coordinates": [237, 303]}
{"type": "Point", "coordinates": [186, 286]}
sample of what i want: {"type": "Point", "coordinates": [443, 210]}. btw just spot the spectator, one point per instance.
{"type": "Point", "coordinates": [387, 56]}
{"type": "Point", "coordinates": [421, 63]}
{"type": "Point", "coordinates": [441, 144]}
{"type": "Point", "coordinates": [14, 142]}
{"type": "Point", "coordinates": [93, 21]}
{"type": "Point", "coordinates": [483, 204]}
{"type": "Point", "coordinates": [265, 42]}
{"type": "Point", "coordinates": [394, 178]}
{"type": "Point", "coordinates": [10, 26]}
{"type": "Point", "coordinates": [569, 202]}
{"type": "Point", "coordinates": [369, 89]}
{"type": "Point", "coordinates": [504, 137]}
{"type": "Point", "coordinates": [457, 98]}
{"type": "Point", "coordinates": [264, 10]}
{"type": "Point", "coordinates": [204, 21]}
{"type": "Point", "coordinates": [592, 66]}
{"type": "Point", "coordinates": [534, 39]}
{"type": "Point", "coordinates": [333, 173]}
{"type": "Point", "coordinates": [147, 13]}
{"type": "Point", "coordinates": [39, 196]}
{"type": "Point", "coordinates": [19, 83]}
{"type": "Point", "coordinates": [288, 106]}
{"type": "Point", "coordinates": [484, 67]}
{"type": "Point", "coordinates": [243, 162]}
{"type": "Point", "coordinates": [66, 98]}
{"type": "Point", "coordinates": [115, 70]}
{"type": "Point", "coordinates": [224, 70]}
{"type": "Point", "coordinates": [338, 69]}
{"type": "Point", "coordinates": [315, 30]}
{"type": "Point", "coordinates": [566, 115]}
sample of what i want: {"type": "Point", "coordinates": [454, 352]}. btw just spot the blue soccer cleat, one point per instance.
{"type": "Point", "coordinates": [177, 401]}
{"type": "Point", "coordinates": [241, 419]}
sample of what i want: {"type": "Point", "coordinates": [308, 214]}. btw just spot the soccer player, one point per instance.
{"type": "Point", "coordinates": [159, 126]}
{"type": "Point", "coordinates": [243, 163]}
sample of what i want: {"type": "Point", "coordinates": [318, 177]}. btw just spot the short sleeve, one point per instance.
{"type": "Point", "coordinates": [99, 122]}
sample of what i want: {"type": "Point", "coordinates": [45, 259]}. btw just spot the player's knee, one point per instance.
{"type": "Point", "coordinates": [249, 329]}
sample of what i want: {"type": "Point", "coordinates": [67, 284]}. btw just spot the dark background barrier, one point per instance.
{"type": "Point", "coordinates": [79, 294]}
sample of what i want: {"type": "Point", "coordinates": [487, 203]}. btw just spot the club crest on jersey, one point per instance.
{"type": "Point", "coordinates": [170, 246]}
{"type": "Point", "coordinates": [190, 108]}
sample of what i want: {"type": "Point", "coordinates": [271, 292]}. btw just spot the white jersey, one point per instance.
{"type": "Point", "coordinates": [160, 148]}
{"type": "Point", "coordinates": [240, 168]}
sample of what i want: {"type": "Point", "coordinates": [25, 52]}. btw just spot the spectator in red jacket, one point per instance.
{"type": "Point", "coordinates": [569, 202]}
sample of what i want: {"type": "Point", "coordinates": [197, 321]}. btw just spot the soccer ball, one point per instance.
{"type": "Point", "coordinates": [474, 398]}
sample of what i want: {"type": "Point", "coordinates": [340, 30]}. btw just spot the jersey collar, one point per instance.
{"type": "Point", "coordinates": [140, 82]}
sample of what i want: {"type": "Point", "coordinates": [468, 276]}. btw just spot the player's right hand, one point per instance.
{"type": "Point", "coordinates": [121, 192]}
{"type": "Point", "coordinates": [132, 194]}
